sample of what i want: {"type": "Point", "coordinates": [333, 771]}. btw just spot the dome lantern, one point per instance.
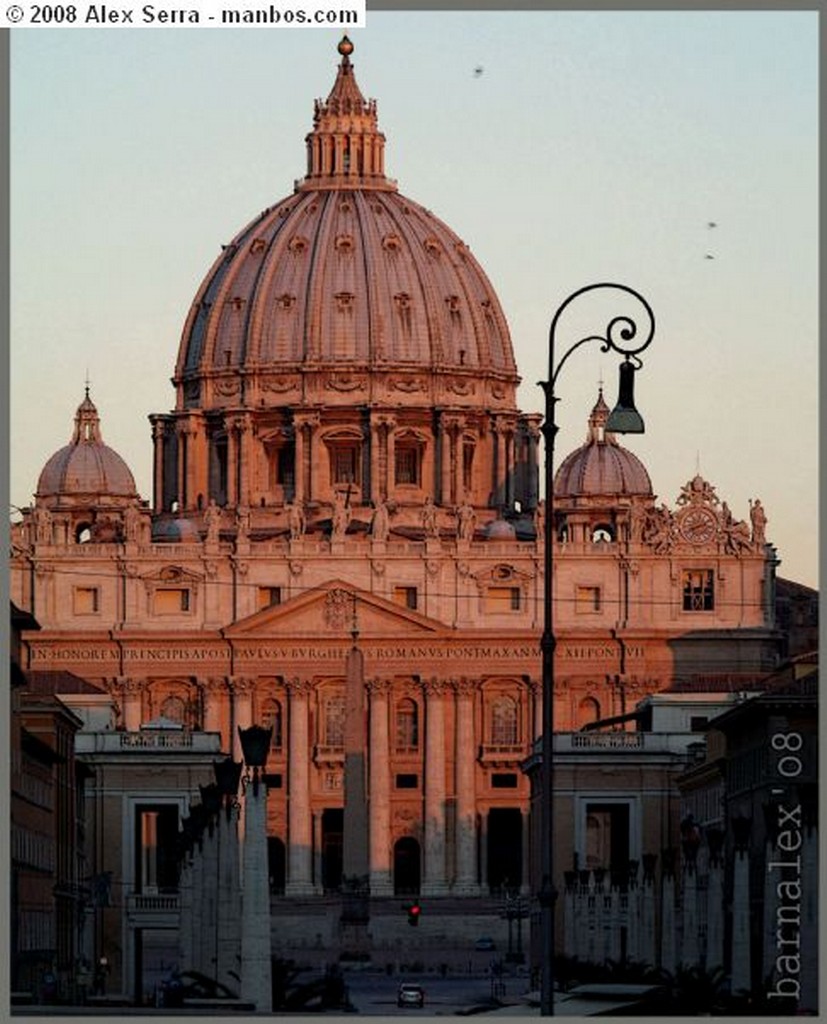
{"type": "Point", "coordinates": [345, 148]}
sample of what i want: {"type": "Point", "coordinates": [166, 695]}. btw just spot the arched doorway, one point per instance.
{"type": "Point", "coordinates": [505, 848]}
{"type": "Point", "coordinates": [407, 871]}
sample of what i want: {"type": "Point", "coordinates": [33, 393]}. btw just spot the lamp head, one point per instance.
{"type": "Point", "coordinates": [624, 418]}
{"type": "Point", "coordinates": [255, 743]}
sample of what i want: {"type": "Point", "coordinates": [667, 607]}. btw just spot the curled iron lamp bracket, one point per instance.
{"type": "Point", "coordinates": [620, 331]}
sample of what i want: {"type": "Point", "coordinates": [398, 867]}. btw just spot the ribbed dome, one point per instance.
{"type": "Point", "coordinates": [601, 466]}
{"type": "Point", "coordinates": [86, 466]}
{"type": "Point", "coordinates": [346, 274]}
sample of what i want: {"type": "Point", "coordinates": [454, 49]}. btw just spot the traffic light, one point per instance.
{"type": "Point", "coordinates": [414, 910]}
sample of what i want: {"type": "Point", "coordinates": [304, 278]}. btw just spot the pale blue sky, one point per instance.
{"type": "Point", "coordinates": [594, 146]}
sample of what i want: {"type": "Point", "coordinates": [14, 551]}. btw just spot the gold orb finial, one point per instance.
{"type": "Point", "coordinates": [345, 47]}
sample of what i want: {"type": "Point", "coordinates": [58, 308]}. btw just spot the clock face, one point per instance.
{"type": "Point", "coordinates": [698, 525]}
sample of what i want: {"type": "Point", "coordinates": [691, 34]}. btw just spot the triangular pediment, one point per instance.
{"type": "Point", "coordinates": [333, 610]}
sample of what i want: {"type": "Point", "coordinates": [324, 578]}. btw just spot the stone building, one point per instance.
{"type": "Point", "coordinates": [345, 463]}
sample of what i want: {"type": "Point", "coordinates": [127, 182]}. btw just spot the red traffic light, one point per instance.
{"type": "Point", "coordinates": [414, 910]}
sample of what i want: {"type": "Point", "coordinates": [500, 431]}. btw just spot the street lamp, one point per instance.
{"type": "Point", "coordinates": [620, 335]}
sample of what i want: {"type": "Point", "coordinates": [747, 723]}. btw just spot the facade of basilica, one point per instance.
{"type": "Point", "coordinates": [346, 465]}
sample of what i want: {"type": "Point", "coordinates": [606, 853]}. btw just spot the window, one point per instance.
{"type": "Point", "coordinates": [156, 861]}
{"type": "Point", "coordinates": [407, 725]}
{"type": "Point", "coordinates": [467, 467]}
{"type": "Point", "coordinates": [503, 599]}
{"type": "Point", "coordinates": [588, 711]}
{"type": "Point", "coordinates": [174, 708]}
{"type": "Point", "coordinates": [602, 534]}
{"type": "Point", "coordinates": [504, 780]}
{"type": "Point", "coordinates": [587, 600]}
{"type": "Point", "coordinates": [504, 724]}
{"type": "Point", "coordinates": [607, 836]}
{"type": "Point", "coordinates": [406, 596]}
{"type": "Point", "coordinates": [271, 718]}
{"type": "Point", "coordinates": [269, 597]}
{"type": "Point", "coordinates": [698, 723]}
{"type": "Point", "coordinates": [281, 463]}
{"type": "Point", "coordinates": [334, 721]}
{"type": "Point", "coordinates": [407, 781]}
{"type": "Point", "coordinates": [698, 590]}
{"type": "Point", "coordinates": [344, 463]}
{"type": "Point", "coordinates": [86, 600]}
{"type": "Point", "coordinates": [408, 463]}
{"type": "Point", "coordinates": [172, 600]}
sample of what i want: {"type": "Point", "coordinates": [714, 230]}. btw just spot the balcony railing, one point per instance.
{"type": "Point", "coordinates": [153, 902]}
{"type": "Point", "coordinates": [502, 753]}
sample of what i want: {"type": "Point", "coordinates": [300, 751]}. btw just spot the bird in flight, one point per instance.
{"type": "Point", "coordinates": [709, 256]}
{"type": "Point", "coordinates": [712, 224]}
{"type": "Point", "coordinates": [478, 70]}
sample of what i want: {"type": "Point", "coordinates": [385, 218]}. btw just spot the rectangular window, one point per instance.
{"type": "Point", "coordinates": [502, 599]}
{"type": "Point", "coordinates": [344, 464]}
{"type": "Point", "coordinates": [156, 836]}
{"type": "Point", "coordinates": [407, 781]}
{"type": "Point", "coordinates": [698, 723]}
{"type": "Point", "coordinates": [407, 465]}
{"type": "Point", "coordinates": [172, 601]}
{"type": "Point", "coordinates": [607, 836]}
{"type": "Point", "coordinates": [86, 600]}
{"type": "Point", "coordinates": [698, 590]}
{"type": "Point", "coordinates": [268, 597]}
{"type": "Point", "coordinates": [503, 780]}
{"type": "Point", "coordinates": [587, 600]}
{"type": "Point", "coordinates": [406, 596]}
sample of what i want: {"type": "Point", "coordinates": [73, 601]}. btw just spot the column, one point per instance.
{"type": "Point", "coordinates": [668, 960]}
{"type": "Point", "coordinates": [446, 435]}
{"type": "Point", "coordinates": [305, 425]}
{"type": "Point", "coordinates": [646, 945]}
{"type": "Point", "coordinates": [132, 691]}
{"type": "Point", "coordinates": [255, 901]}
{"type": "Point", "coordinates": [185, 932]}
{"type": "Point", "coordinates": [242, 425]}
{"type": "Point", "coordinates": [158, 433]}
{"type": "Point", "coordinates": [299, 822]}
{"type": "Point", "coordinates": [214, 690]}
{"type": "Point", "coordinates": [229, 895]}
{"type": "Point", "coordinates": [715, 901]}
{"type": "Point", "coordinates": [741, 974]}
{"type": "Point", "coordinates": [434, 880]}
{"type": "Point", "coordinates": [465, 875]}
{"type": "Point", "coordinates": [241, 689]}
{"type": "Point", "coordinates": [570, 913]}
{"type": "Point", "coordinates": [690, 954]}
{"type": "Point", "coordinates": [381, 874]}
{"type": "Point", "coordinates": [537, 702]}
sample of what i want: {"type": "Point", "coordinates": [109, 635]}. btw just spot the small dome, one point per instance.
{"type": "Point", "coordinates": [601, 466]}
{"type": "Point", "coordinates": [499, 529]}
{"type": "Point", "coordinates": [86, 466]}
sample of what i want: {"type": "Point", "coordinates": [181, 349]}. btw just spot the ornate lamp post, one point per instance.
{"type": "Point", "coordinates": [256, 969]}
{"type": "Point", "coordinates": [620, 335]}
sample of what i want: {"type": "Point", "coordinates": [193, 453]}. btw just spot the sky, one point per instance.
{"type": "Point", "coordinates": [594, 146]}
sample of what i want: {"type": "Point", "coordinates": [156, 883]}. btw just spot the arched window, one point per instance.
{"type": "Point", "coordinates": [271, 718]}
{"type": "Point", "coordinates": [504, 722]}
{"type": "Point", "coordinates": [588, 711]}
{"type": "Point", "coordinates": [174, 709]}
{"type": "Point", "coordinates": [603, 533]}
{"type": "Point", "coordinates": [407, 725]}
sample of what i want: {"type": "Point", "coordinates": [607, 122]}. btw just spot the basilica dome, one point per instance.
{"type": "Point", "coordinates": [344, 275]}
{"type": "Point", "coordinates": [86, 466]}
{"type": "Point", "coordinates": [601, 466]}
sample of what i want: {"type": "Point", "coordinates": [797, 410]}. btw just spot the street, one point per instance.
{"type": "Point", "coordinates": [375, 994]}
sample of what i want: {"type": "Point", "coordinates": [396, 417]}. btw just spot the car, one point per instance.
{"type": "Point", "coordinates": [410, 995]}
{"type": "Point", "coordinates": [485, 944]}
